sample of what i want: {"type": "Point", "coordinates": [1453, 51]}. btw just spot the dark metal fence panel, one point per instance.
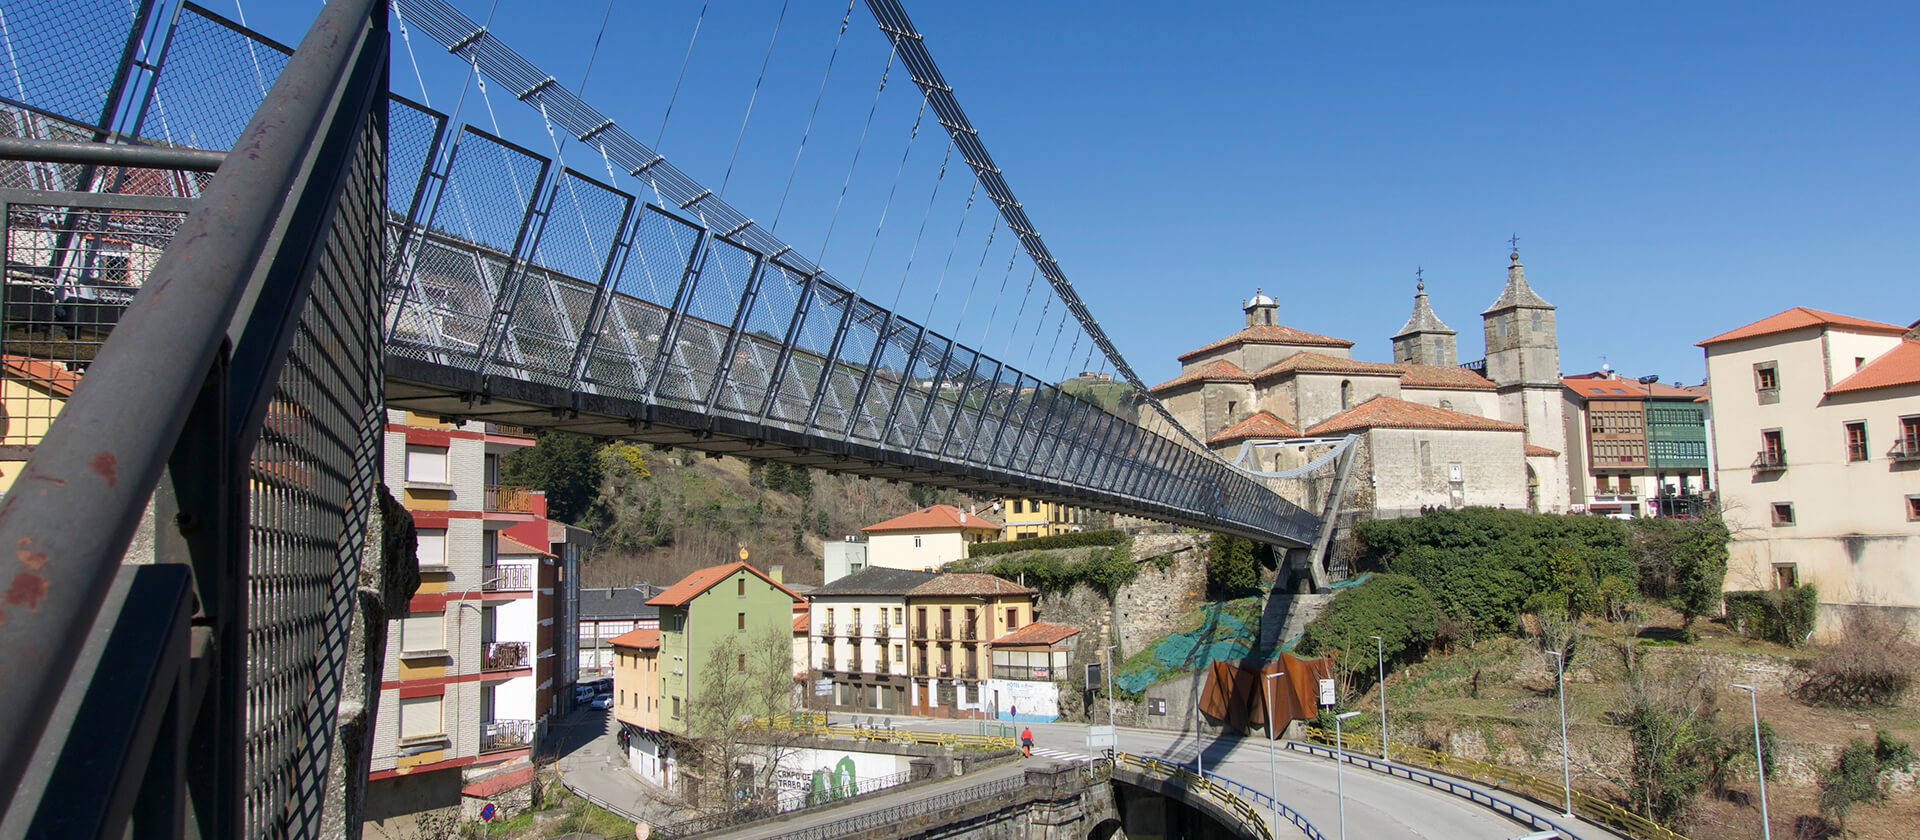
{"type": "Point", "coordinates": [63, 58]}
{"type": "Point", "coordinates": [213, 76]}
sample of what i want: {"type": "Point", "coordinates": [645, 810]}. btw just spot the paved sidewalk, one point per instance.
{"type": "Point", "coordinates": [592, 764]}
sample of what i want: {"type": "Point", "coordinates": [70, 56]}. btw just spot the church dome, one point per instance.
{"type": "Point", "coordinates": [1259, 299]}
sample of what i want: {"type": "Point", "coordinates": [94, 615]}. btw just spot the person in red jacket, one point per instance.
{"type": "Point", "coordinates": [1026, 742]}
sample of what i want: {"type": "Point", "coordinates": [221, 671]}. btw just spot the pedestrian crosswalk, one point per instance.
{"type": "Point", "coordinates": [1059, 755]}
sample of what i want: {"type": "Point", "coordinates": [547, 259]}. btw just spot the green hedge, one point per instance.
{"type": "Point", "coordinates": [1079, 540]}
{"type": "Point", "coordinates": [1776, 615]}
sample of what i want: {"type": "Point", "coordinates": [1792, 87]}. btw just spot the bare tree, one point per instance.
{"type": "Point", "coordinates": [747, 679]}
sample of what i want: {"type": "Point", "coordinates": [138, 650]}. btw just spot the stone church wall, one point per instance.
{"type": "Point", "coordinates": [1415, 467]}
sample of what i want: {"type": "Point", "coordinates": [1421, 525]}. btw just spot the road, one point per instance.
{"type": "Point", "coordinates": [1376, 806]}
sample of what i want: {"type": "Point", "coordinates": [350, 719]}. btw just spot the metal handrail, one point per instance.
{"type": "Point", "coordinates": [1220, 791]}
{"type": "Point", "coordinates": [208, 331]}
{"type": "Point", "coordinates": [901, 813]}
{"type": "Point", "coordinates": [1542, 790]}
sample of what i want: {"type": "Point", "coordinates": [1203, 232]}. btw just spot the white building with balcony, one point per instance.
{"type": "Point", "coordinates": [858, 641]}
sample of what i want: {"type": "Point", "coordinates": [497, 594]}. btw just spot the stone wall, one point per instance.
{"type": "Point", "coordinates": [1145, 610]}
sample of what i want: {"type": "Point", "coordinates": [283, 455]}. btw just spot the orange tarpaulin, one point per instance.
{"type": "Point", "coordinates": [1239, 694]}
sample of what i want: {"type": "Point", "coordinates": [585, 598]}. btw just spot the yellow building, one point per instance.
{"type": "Point", "coordinates": [1030, 518]}
{"type": "Point", "coordinates": [954, 620]}
{"type": "Point", "coordinates": [32, 393]}
{"type": "Point", "coordinates": [636, 704]}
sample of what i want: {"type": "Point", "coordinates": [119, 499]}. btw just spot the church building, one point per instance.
{"type": "Point", "coordinates": [1432, 432]}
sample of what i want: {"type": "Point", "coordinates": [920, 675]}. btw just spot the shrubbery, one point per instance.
{"type": "Point", "coordinates": [1232, 570]}
{"type": "Point", "coordinates": [1872, 665]}
{"type": "Point", "coordinates": [1105, 570]}
{"type": "Point", "coordinates": [1397, 608]}
{"type": "Point", "coordinates": [1079, 540]}
{"type": "Point", "coordinates": [1860, 775]}
{"type": "Point", "coordinates": [1784, 616]}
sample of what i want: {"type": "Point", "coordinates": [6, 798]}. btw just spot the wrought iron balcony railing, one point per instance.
{"type": "Point", "coordinates": [920, 631]}
{"type": "Point", "coordinates": [1907, 449]}
{"type": "Point", "coordinates": [507, 577]}
{"type": "Point", "coordinates": [946, 634]}
{"type": "Point", "coordinates": [851, 630]}
{"type": "Point", "coordinates": [497, 735]}
{"type": "Point", "coordinates": [1774, 460]}
{"type": "Point", "coordinates": [505, 656]}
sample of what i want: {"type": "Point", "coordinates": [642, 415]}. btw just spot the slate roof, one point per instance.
{"type": "Point", "coordinates": [1517, 293]}
{"type": "Point", "coordinates": [1037, 633]}
{"type": "Point", "coordinates": [967, 583]}
{"type": "Point", "coordinates": [1270, 334]}
{"type": "Point", "coordinates": [645, 638]}
{"type": "Point", "coordinates": [875, 580]}
{"type": "Point", "coordinates": [1218, 370]}
{"type": "Point", "coordinates": [693, 585]}
{"type": "Point", "coordinates": [1389, 413]}
{"type": "Point", "coordinates": [1260, 424]}
{"type": "Point", "coordinates": [1423, 320]}
{"type": "Point", "coordinates": [622, 604]}
{"type": "Point", "coordinates": [1801, 316]}
{"type": "Point", "coordinates": [1442, 376]}
{"type": "Point", "coordinates": [1899, 366]}
{"type": "Point", "coordinates": [935, 518]}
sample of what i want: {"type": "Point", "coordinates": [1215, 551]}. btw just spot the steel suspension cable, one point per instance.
{"type": "Point", "coordinates": [915, 252]}
{"type": "Point", "coordinates": [856, 153]}
{"type": "Point", "coordinates": [951, 250]}
{"type": "Point", "coordinates": [808, 131]}
{"type": "Point", "coordinates": [755, 96]}
{"type": "Point", "coordinates": [997, 298]}
{"type": "Point", "coordinates": [912, 135]}
{"type": "Point", "coordinates": [683, 73]}
{"type": "Point", "coordinates": [977, 271]}
{"type": "Point", "coordinates": [400, 18]}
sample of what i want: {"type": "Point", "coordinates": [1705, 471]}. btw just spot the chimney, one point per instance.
{"type": "Point", "coordinates": [777, 572]}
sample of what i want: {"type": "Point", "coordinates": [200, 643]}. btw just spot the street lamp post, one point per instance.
{"type": "Point", "coordinates": [1339, 758]}
{"type": "Point", "coordinates": [1380, 653]}
{"type": "Point", "coordinates": [1273, 777]}
{"type": "Point", "coordinates": [1566, 762]}
{"type": "Point", "coordinates": [1759, 761]}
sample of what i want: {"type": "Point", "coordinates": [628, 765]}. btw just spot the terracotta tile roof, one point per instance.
{"type": "Point", "coordinates": [46, 375]}
{"type": "Point", "coordinates": [1616, 388]}
{"type": "Point", "coordinates": [1260, 424]}
{"type": "Point", "coordinates": [646, 638]}
{"type": "Point", "coordinates": [1037, 633]}
{"type": "Point", "coordinates": [1442, 376]}
{"type": "Point", "coordinates": [1801, 316]}
{"type": "Point", "coordinates": [1541, 450]}
{"type": "Point", "coordinates": [1389, 413]}
{"type": "Point", "coordinates": [1899, 366]}
{"type": "Point", "coordinates": [1218, 370]}
{"type": "Point", "coordinates": [967, 583]}
{"type": "Point", "coordinates": [492, 786]}
{"type": "Point", "coordinates": [800, 623]}
{"type": "Point", "coordinates": [700, 581]}
{"type": "Point", "coordinates": [936, 518]}
{"type": "Point", "coordinates": [520, 547]}
{"type": "Point", "coordinates": [1271, 334]}
{"type": "Point", "coordinates": [1310, 362]}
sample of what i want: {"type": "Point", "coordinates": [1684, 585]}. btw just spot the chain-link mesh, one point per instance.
{"type": "Point", "coordinates": [625, 350]}
{"type": "Point", "coordinates": [62, 58]}
{"type": "Point", "coordinates": [312, 478]}
{"type": "Point", "coordinates": [213, 77]}
{"type": "Point", "coordinates": [583, 224]}
{"type": "Point", "coordinates": [763, 331]}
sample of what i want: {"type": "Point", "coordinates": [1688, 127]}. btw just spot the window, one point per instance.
{"type": "Point", "coordinates": [1766, 381]}
{"type": "Point", "coordinates": [1909, 437]}
{"type": "Point", "coordinates": [741, 590]}
{"type": "Point", "coordinates": [1019, 506]}
{"type": "Point", "coordinates": [1859, 362]}
{"type": "Point", "coordinates": [1786, 576]}
{"type": "Point", "coordinates": [676, 708]}
{"type": "Point", "coordinates": [623, 697]}
{"type": "Point", "coordinates": [899, 615]}
{"type": "Point", "coordinates": [1783, 513]}
{"type": "Point", "coordinates": [432, 548]}
{"type": "Point", "coordinates": [1913, 508]}
{"type": "Point", "coordinates": [423, 633]}
{"type": "Point", "coordinates": [742, 667]}
{"type": "Point", "coordinates": [1773, 447]}
{"type": "Point", "coordinates": [1346, 394]}
{"type": "Point", "coordinates": [1013, 618]}
{"type": "Point", "coordinates": [427, 464]}
{"type": "Point", "coordinates": [1539, 321]}
{"type": "Point", "coordinates": [1856, 441]}
{"type": "Point", "coordinates": [1231, 405]}
{"type": "Point", "coordinates": [741, 626]}
{"type": "Point", "coordinates": [916, 542]}
{"type": "Point", "coordinates": [420, 717]}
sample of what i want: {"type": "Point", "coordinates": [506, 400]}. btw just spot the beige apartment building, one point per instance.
{"type": "Point", "coordinates": [1816, 430]}
{"type": "Point", "coordinates": [926, 539]}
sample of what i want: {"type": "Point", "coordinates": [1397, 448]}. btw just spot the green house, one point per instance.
{"type": "Point", "coordinates": [732, 600]}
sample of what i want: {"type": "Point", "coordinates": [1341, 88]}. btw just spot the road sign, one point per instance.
{"type": "Point", "coordinates": [823, 688]}
{"type": "Point", "coordinates": [1326, 692]}
{"type": "Point", "coordinates": [487, 812]}
{"type": "Point", "coordinates": [1094, 679]}
{"type": "Point", "coordinates": [1101, 737]}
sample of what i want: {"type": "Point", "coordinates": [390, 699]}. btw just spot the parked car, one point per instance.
{"type": "Point", "coordinates": [604, 701]}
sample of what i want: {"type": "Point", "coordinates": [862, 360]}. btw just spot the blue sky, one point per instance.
{"type": "Point", "coordinates": [1672, 170]}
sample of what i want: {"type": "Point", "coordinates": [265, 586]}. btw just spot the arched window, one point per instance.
{"type": "Point", "coordinates": [1346, 394]}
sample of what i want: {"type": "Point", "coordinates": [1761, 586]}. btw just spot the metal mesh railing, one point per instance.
{"type": "Point", "coordinates": [62, 58]}
{"type": "Point", "coordinates": [212, 78]}
{"type": "Point", "coordinates": [1219, 791]}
